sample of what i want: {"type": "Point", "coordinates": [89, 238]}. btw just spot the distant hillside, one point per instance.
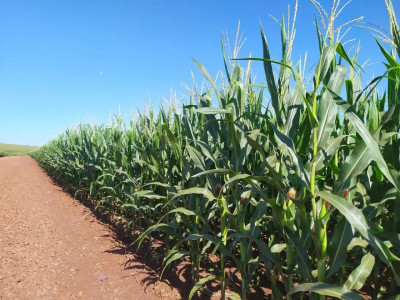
{"type": "Point", "coordinates": [11, 149]}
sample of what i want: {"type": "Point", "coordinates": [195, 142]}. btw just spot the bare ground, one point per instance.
{"type": "Point", "coordinates": [52, 247]}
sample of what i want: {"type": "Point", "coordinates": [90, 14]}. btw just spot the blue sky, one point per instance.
{"type": "Point", "coordinates": [65, 62]}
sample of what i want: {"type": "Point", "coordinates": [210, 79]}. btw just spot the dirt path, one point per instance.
{"type": "Point", "coordinates": [51, 246]}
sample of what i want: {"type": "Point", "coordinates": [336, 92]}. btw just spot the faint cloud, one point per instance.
{"type": "Point", "coordinates": [101, 73]}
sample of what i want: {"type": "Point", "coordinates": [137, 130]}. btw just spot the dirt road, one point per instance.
{"type": "Point", "coordinates": [52, 247]}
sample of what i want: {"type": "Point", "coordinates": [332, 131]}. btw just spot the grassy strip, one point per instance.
{"type": "Point", "coordinates": [13, 150]}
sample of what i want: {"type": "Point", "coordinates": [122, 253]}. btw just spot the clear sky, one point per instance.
{"type": "Point", "coordinates": [65, 62]}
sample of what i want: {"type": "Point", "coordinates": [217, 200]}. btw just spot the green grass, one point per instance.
{"type": "Point", "coordinates": [11, 149]}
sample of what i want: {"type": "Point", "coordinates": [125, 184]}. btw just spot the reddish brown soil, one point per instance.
{"type": "Point", "coordinates": [52, 247]}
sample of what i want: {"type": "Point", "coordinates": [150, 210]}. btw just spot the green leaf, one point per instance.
{"type": "Point", "coordinates": [340, 50]}
{"type": "Point", "coordinates": [357, 242]}
{"type": "Point", "coordinates": [357, 278]}
{"type": "Point", "coordinates": [349, 91]}
{"type": "Point", "coordinates": [199, 284]}
{"type": "Point", "coordinates": [149, 194]}
{"type": "Point", "coordinates": [359, 158]}
{"type": "Point", "coordinates": [286, 143]}
{"type": "Point", "coordinates": [209, 79]}
{"type": "Point", "coordinates": [206, 150]}
{"type": "Point", "coordinates": [149, 230]}
{"type": "Point", "coordinates": [269, 74]}
{"type": "Point", "coordinates": [212, 111]}
{"type": "Point", "coordinates": [184, 211]}
{"type": "Point", "coordinates": [338, 246]}
{"type": "Point", "coordinates": [236, 178]}
{"type": "Point", "coordinates": [167, 186]}
{"type": "Point", "coordinates": [215, 171]}
{"type": "Point", "coordinates": [173, 256]}
{"type": "Point", "coordinates": [293, 110]}
{"type": "Point", "coordinates": [224, 56]}
{"type": "Point", "coordinates": [366, 136]}
{"type": "Point", "coordinates": [327, 110]}
{"type": "Point", "coordinates": [323, 156]}
{"type": "Point", "coordinates": [353, 215]}
{"type": "Point", "coordinates": [356, 218]}
{"type": "Point", "coordinates": [327, 55]}
{"type": "Point", "coordinates": [391, 60]}
{"type": "Point", "coordinates": [386, 137]}
{"type": "Point", "coordinates": [215, 240]}
{"type": "Point", "coordinates": [326, 290]}
{"type": "Point", "coordinates": [304, 261]}
{"type": "Point", "coordinates": [196, 157]}
{"type": "Point", "coordinates": [195, 190]}
{"type": "Point", "coordinates": [170, 135]}
{"type": "Point", "coordinates": [312, 118]}
{"type": "Point", "coordinates": [277, 248]}
{"type": "Point", "coordinates": [108, 188]}
{"type": "Point", "coordinates": [372, 118]}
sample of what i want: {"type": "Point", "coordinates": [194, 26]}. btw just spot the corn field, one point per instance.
{"type": "Point", "coordinates": [289, 182]}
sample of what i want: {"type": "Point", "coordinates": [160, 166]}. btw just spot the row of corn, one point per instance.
{"type": "Point", "coordinates": [288, 186]}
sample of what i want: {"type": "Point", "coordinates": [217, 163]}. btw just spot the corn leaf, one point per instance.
{"type": "Point", "coordinates": [199, 284]}
{"type": "Point", "coordinates": [338, 246]}
{"type": "Point", "coordinates": [327, 109]}
{"type": "Point", "coordinates": [326, 290]}
{"type": "Point", "coordinates": [373, 146]}
{"type": "Point", "coordinates": [357, 278]}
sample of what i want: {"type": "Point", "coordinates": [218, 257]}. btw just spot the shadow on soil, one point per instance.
{"type": "Point", "coordinates": [179, 277]}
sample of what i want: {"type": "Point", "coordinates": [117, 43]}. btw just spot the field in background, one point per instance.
{"type": "Point", "coordinates": [11, 149]}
